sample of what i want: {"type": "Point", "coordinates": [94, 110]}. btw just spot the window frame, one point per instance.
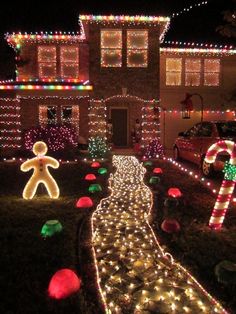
{"type": "Point", "coordinates": [112, 49]}
{"type": "Point", "coordinates": [142, 49]}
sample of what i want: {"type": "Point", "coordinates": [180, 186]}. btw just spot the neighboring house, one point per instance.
{"type": "Point", "coordinates": [113, 69]}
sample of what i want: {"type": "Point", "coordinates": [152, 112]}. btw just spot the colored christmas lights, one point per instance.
{"type": "Point", "coordinates": [45, 87]}
{"type": "Point", "coordinates": [228, 184]}
{"type": "Point", "coordinates": [41, 174]}
{"type": "Point", "coordinates": [161, 21]}
{"type": "Point", "coordinates": [133, 272]}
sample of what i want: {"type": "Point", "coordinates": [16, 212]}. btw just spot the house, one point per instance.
{"type": "Point", "coordinates": [118, 69]}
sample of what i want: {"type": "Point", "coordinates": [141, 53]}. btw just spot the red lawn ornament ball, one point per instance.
{"type": "Point", "coordinates": [174, 192]}
{"type": "Point", "coordinates": [90, 177]}
{"type": "Point", "coordinates": [95, 164]}
{"type": "Point", "coordinates": [84, 202]}
{"type": "Point", "coordinates": [157, 170]}
{"type": "Point", "coordinates": [63, 283]}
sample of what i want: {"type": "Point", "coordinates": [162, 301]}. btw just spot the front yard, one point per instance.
{"type": "Point", "coordinates": [28, 261]}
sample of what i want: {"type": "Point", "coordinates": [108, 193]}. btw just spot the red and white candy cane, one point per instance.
{"type": "Point", "coordinates": [227, 186]}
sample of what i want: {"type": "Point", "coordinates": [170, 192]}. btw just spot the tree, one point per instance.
{"type": "Point", "coordinates": [229, 28]}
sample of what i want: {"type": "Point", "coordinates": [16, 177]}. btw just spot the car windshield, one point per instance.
{"type": "Point", "coordinates": [226, 129]}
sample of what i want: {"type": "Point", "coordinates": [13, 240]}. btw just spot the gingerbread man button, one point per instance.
{"type": "Point", "coordinates": [40, 164]}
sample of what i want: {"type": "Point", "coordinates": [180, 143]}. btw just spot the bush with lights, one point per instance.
{"type": "Point", "coordinates": [97, 147]}
{"type": "Point", "coordinates": [154, 149]}
{"type": "Point", "coordinates": [57, 137]}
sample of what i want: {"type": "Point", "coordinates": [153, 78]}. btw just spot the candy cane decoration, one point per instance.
{"type": "Point", "coordinates": [227, 186]}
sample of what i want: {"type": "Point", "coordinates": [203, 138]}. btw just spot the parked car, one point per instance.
{"type": "Point", "coordinates": [193, 144]}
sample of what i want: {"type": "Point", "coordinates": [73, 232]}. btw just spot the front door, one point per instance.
{"type": "Point", "coordinates": [119, 118]}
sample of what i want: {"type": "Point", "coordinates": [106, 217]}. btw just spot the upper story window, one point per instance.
{"type": "Point", "coordinates": [192, 72]}
{"type": "Point", "coordinates": [173, 71]}
{"type": "Point", "coordinates": [47, 61]}
{"type": "Point", "coordinates": [137, 48]}
{"type": "Point", "coordinates": [111, 48]}
{"type": "Point", "coordinates": [212, 72]}
{"type": "Point", "coordinates": [69, 62]}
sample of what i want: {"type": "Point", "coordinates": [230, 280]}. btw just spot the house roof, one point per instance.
{"type": "Point", "coordinates": [162, 21]}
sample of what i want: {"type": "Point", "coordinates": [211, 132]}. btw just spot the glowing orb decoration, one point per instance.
{"type": "Point", "coordinates": [228, 184]}
{"type": "Point", "coordinates": [225, 272]}
{"type": "Point", "coordinates": [95, 164]}
{"type": "Point", "coordinates": [147, 163]}
{"type": "Point", "coordinates": [94, 188]}
{"type": "Point", "coordinates": [63, 283]}
{"type": "Point", "coordinates": [90, 177]}
{"type": "Point", "coordinates": [157, 170]}
{"type": "Point", "coordinates": [84, 202]}
{"type": "Point", "coordinates": [102, 171]}
{"type": "Point", "coordinates": [170, 226]}
{"type": "Point", "coordinates": [50, 228]}
{"type": "Point", "coordinates": [41, 174]}
{"type": "Point", "coordinates": [154, 180]}
{"type": "Point", "coordinates": [131, 266]}
{"type": "Point", "coordinates": [174, 192]}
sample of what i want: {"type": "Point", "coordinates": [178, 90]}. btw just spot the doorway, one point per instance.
{"type": "Point", "coordinates": [119, 118]}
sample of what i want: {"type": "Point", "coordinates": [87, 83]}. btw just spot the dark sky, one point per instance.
{"type": "Point", "coordinates": [198, 25]}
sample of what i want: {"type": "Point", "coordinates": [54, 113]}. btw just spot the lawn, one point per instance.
{"type": "Point", "coordinates": [27, 260]}
{"type": "Point", "coordinates": [196, 247]}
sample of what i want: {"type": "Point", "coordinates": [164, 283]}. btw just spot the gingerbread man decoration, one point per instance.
{"type": "Point", "coordinates": [40, 164]}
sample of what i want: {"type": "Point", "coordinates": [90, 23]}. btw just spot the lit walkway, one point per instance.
{"type": "Point", "coordinates": [134, 274]}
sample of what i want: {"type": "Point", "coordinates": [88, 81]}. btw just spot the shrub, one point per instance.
{"type": "Point", "coordinates": [97, 147]}
{"type": "Point", "coordinates": [57, 137]}
{"type": "Point", "coordinates": [153, 149]}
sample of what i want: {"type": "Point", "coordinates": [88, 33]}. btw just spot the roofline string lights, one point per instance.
{"type": "Point", "coordinates": [143, 276]}
{"type": "Point", "coordinates": [45, 87]}
{"type": "Point", "coordinates": [131, 20]}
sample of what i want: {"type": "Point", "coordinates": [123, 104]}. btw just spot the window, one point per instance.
{"type": "Point", "coordinates": [173, 71]}
{"type": "Point", "coordinates": [70, 115]}
{"type": "Point", "coordinates": [137, 48]}
{"type": "Point", "coordinates": [47, 115]}
{"type": "Point", "coordinates": [47, 61]}
{"type": "Point", "coordinates": [211, 72]}
{"type": "Point", "coordinates": [111, 48]}
{"type": "Point", "coordinates": [69, 61]}
{"type": "Point", "coordinates": [192, 72]}
{"type": "Point", "coordinates": [205, 130]}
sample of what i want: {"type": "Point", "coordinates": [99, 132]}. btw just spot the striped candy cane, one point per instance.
{"type": "Point", "coordinates": [227, 186]}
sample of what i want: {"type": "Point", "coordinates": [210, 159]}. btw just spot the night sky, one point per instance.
{"type": "Point", "coordinates": [198, 25]}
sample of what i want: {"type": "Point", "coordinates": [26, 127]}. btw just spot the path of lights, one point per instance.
{"type": "Point", "coordinates": [134, 275]}
{"type": "Point", "coordinates": [46, 87]}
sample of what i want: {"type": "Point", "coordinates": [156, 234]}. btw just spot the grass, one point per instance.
{"type": "Point", "coordinates": [27, 261]}
{"type": "Point", "coordinates": [196, 247]}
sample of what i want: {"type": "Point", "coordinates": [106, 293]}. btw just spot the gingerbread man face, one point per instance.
{"type": "Point", "coordinates": [41, 174]}
{"type": "Point", "coordinates": [40, 148]}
